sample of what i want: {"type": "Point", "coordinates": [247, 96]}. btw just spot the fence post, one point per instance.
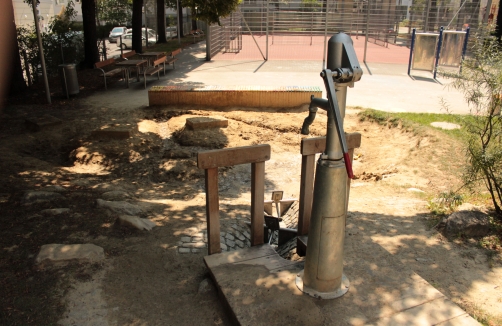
{"type": "Point", "coordinates": [440, 43]}
{"type": "Point", "coordinates": [411, 49]}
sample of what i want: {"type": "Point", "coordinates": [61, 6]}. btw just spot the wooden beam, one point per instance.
{"type": "Point", "coordinates": [212, 212]}
{"type": "Point", "coordinates": [233, 156]}
{"type": "Point", "coordinates": [306, 193]}
{"type": "Point", "coordinates": [315, 145]}
{"type": "Point", "coordinates": [257, 209]}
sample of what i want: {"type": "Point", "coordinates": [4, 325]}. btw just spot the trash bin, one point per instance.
{"type": "Point", "coordinates": [69, 81]}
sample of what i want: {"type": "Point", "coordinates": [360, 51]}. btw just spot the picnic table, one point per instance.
{"type": "Point", "coordinates": [128, 64]}
{"type": "Point", "coordinates": [151, 56]}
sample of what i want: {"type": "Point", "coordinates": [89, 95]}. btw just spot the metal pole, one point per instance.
{"type": "Point", "coordinates": [440, 43]}
{"type": "Point", "coordinates": [411, 49]}
{"type": "Point", "coordinates": [487, 12]}
{"type": "Point", "coordinates": [367, 27]}
{"type": "Point", "coordinates": [250, 32]}
{"type": "Point", "coordinates": [464, 47]}
{"type": "Point", "coordinates": [208, 42]}
{"type": "Point", "coordinates": [427, 16]}
{"type": "Point", "coordinates": [266, 29]}
{"type": "Point", "coordinates": [178, 14]}
{"type": "Point", "coordinates": [325, 37]}
{"type": "Point", "coordinates": [41, 49]}
{"type": "Point", "coordinates": [146, 29]}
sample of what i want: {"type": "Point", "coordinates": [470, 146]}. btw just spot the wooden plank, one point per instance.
{"type": "Point", "coordinates": [315, 145]}
{"type": "Point", "coordinates": [233, 156]}
{"type": "Point", "coordinates": [306, 193]}
{"type": "Point", "coordinates": [238, 256]}
{"type": "Point", "coordinates": [212, 211]}
{"type": "Point", "coordinates": [257, 206]}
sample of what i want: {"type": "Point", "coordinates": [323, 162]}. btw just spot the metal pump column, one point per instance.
{"type": "Point", "coordinates": [323, 274]}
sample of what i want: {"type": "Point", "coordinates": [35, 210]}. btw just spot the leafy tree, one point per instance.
{"type": "Point", "coordinates": [137, 9]}
{"type": "Point", "coordinates": [90, 35]}
{"type": "Point", "coordinates": [116, 12]}
{"type": "Point", "coordinates": [161, 21]}
{"type": "Point", "coordinates": [481, 83]}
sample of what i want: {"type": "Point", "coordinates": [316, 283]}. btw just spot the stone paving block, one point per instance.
{"type": "Point", "coordinates": [239, 243]}
{"type": "Point", "coordinates": [62, 254]}
{"type": "Point", "coordinates": [229, 237]}
{"type": "Point", "coordinates": [184, 250]}
{"type": "Point", "coordinates": [240, 236]}
{"type": "Point", "coordinates": [222, 239]}
{"type": "Point", "coordinates": [201, 123]}
{"type": "Point", "coordinates": [194, 245]}
{"type": "Point", "coordinates": [40, 123]}
{"type": "Point", "coordinates": [195, 250]}
{"type": "Point", "coordinates": [230, 243]}
{"type": "Point", "coordinates": [223, 246]}
{"type": "Point", "coordinates": [197, 239]}
{"type": "Point", "coordinates": [186, 239]}
{"type": "Point", "coordinates": [114, 132]}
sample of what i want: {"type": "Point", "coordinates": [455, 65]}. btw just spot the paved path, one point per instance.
{"type": "Point", "coordinates": [383, 86]}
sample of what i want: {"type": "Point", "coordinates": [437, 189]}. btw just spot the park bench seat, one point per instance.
{"type": "Point", "coordinates": [172, 57]}
{"type": "Point", "coordinates": [107, 68]}
{"type": "Point", "coordinates": [127, 55]}
{"type": "Point", "coordinates": [158, 66]}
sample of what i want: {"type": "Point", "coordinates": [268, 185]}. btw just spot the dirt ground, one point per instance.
{"type": "Point", "coordinates": [144, 279]}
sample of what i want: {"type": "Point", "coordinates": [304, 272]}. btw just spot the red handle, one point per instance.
{"type": "Point", "coordinates": [348, 165]}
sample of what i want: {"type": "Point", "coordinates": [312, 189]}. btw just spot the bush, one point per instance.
{"type": "Point", "coordinates": [480, 80]}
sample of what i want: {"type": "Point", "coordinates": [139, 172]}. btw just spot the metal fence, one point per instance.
{"type": "Point", "coordinates": [278, 29]}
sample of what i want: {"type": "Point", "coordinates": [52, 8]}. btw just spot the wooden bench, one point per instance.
{"type": "Point", "coordinates": [127, 55]}
{"type": "Point", "coordinates": [172, 57]}
{"type": "Point", "coordinates": [197, 34]}
{"type": "Point", "coordinates": [156, 68]}
{"type": "Point", "coordinates": [107, 64]}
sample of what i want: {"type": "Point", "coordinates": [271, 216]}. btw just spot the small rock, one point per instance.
{"type": "Point", "coordinates": [62, 254]}
{"type": "Point", "coordinates": [467, 223]}
{"type": "Point", "coordinates": [422, 260]}
{"type": "Point", "coordinates": [195, 250]}
{"type": "Point", "coordinates": [35, 197]}
{"type": "Point", "coordinates": [230, 243]}
{"type": "Point", "coordinates": [223, 246]}
{"type": "Point", "coordinates": [115, 195]}
{"type": "Point", "coordinates": [230, 237]}
{"type": "Point", "coordinates": [139, 223]}
{"type": "Point", "coordinates": [55, 211]}
{"type": "Point", "coordinates": [186, 239]}
{"type": "Point", "coordinates": [54, 188]}
{"type": "Point", "coordinates": [204, 286]}
{"type": "Point", "coordinates": [120, 207]}
{"type": "Point", "coordinates": [445, 125]}
{"type": "Point", "coordinates": [239, 243]}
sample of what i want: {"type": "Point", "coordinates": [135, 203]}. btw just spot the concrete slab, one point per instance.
{"type": "Point", "coordinates": [258, 287]}
{"type": "Point", "coordinates": [41, 123]}
{"type": "Point", "coordinates": [199, 123]}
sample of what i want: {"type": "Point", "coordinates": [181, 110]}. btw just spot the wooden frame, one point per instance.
{"type": "Point", "coordinates": [210, 161]}
{"type": "Point", "coordinates": [309, 148]}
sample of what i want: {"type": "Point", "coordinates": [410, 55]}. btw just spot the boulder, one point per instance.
{"type": "Point", "coordinates": [134, 221]}
{"type": "Point", "coordinates": [36, 197]}
{"type": "Point", "coordinates": [115, 195]}
{"type": "Point", "coordinates": [120, 207]}
{"type": "Point", "coordinates": [55, 211]}
{"type": "Point", "coordinates": [470, 223]}
{"type": "Point", "coordinates": [62, 254]}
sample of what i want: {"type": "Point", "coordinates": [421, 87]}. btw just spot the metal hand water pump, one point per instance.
{"type": "Point", "coordinates": [323, 274]}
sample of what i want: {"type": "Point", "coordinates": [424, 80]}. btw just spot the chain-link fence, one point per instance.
{"type": "Point", "coordinates": [299, 29]}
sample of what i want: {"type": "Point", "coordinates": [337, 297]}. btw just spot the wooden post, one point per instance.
{"type": "Point", "coordinates": [212, 212]}
{"type": "Point", "coordinates": [257, 206]}
{"type": "Point", "coordinates": [306, 193]}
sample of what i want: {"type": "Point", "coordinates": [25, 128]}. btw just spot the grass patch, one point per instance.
{"type": "Point", "coordinates": [416, 122]}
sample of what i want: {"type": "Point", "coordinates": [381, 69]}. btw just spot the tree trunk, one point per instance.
{"type": "Point", "coordinates": [161, 21]}
{"type": "Point", "coordinates": [10, 60]}
{"type": "Point", "coordinates": [137, 19]}
{"type": "Point", "coordinates": [498, 28]}
{"type": "Point", "coordinates": [194, 24]}
{"type": "Point", "coordinates": [180, 19]}
{"type": "Point", "coordinates": [90, 35]}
